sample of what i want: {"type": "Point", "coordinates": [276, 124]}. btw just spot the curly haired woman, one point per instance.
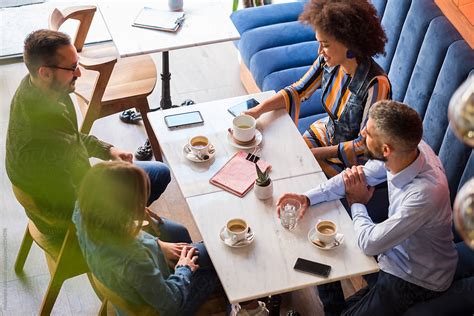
{"type": "Point", "coordinates": [349, 35]}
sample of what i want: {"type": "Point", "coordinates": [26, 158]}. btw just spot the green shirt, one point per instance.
{"type": "Point", "coordinates": [47, 156]}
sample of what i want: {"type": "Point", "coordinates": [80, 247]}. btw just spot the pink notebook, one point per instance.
{"type": "Point", "coordinates": [238, 175]}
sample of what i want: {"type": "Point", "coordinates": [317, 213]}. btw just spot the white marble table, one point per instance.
{"type": "Point", "coordinates": [207, 22]}
{"type": "Point", "coordinates": [282, 145]}
{"type": "Point", "coordinates": [265, 267]}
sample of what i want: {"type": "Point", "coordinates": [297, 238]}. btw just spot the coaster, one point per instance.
{"type": "Point", "coordinates": [257, 140]}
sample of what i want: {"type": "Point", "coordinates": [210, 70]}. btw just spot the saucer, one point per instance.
{"type": "Point", "coordinates": [242, 243]}
{"type": "Point", "coordinates": [312, 236]}
{"type": "Point", "coordinates": [190, 156]}
{"type": "Point", "coordinates": [256, 142]}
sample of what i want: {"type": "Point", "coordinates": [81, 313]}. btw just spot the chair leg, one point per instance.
{"type": "Point", "coordinates": [87, 124]}
{"type": "Point", "coordinates": [155, 145]}
{"type": "Point", "coordinates": [24, 250]}
{"type": "Point", "coordinates": [51, 294]}
{"type": "Point", "coordinates": [103, 308]}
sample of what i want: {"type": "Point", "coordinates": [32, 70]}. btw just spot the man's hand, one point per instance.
{"type": "Point", "coordinates": [117, 154]}
{"type": "Point", "coordinates": [172, 251]}
{"type": "Point", "coordinates": [303, 199]}
{"type": "Point", "coordinates": [357, 190]}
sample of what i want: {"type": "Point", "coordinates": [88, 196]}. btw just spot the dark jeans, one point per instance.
{"type": "Point", "coordinates": [388, 295]}
{"type": "Point", "coordinates": [204, 280]}
{"type": "Point", "coordinates": [159, 175]}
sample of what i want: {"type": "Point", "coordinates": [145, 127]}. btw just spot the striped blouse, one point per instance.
{"type": "Point", "coordinates": [346, 101]}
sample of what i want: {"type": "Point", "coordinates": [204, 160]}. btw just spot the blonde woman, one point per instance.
{"type": "Point", "coordinates": [173, 277]}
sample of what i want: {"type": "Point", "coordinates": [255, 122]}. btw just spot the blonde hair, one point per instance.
{"type": "Point", "coordinates": [112, 196]}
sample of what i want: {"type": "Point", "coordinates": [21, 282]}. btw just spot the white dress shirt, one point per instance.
{"type": "Point", "coordinates": [415, 243]}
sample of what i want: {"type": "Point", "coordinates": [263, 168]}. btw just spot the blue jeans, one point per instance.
{"type": "Point", "coordinates": [159, 175]}
{"type": "Point", "coordinates": [204, 280]}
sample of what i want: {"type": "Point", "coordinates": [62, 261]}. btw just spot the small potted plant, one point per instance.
{"type": "Point", "coordinates": [263, 184]}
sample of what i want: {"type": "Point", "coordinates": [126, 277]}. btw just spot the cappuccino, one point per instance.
{"type": "Point", "coordinates": [326, 229]}
{"type": "Point", "coordinates": [237, 228]}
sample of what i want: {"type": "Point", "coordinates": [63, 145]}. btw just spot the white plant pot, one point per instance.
{"type": "Point", "coordinates": [265, 192]}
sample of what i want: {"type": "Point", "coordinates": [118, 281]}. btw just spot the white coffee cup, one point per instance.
{"type": "Point", "coordinates": [199, 145]}
{"type": "Point", "coordinates": [243, 128]}
{"type": "Point", "coordinates": [326, 231]}
{"type": "Point", "coordinates": [236, 229]}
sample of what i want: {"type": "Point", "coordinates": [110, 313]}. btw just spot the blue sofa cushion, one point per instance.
{"type": "Point", "coordinates": [439, 36]}
{"type": "Point", "coordinates": [413, 32]}
{"type": "Point", "coordinates": [251, 18]}
{"type": "Point", "coordinates": [452, 74]}
{"type": "Point", "coordinates": [273, 35]}
{"type": "Point", "coordinates": [274, 59]}
{"type": "Point", "coordinates": [393, 18]}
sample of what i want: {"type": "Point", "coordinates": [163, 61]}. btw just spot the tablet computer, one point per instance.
{"type": "Point", "coordinates": [237, 109]}
{"type": "Point", "coordinates": [183, 119]}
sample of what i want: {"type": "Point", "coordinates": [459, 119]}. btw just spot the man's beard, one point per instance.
{"type": "Point", "coordinates": [374, 156]}
{"type": "Point", "coordinates": [62, 88]}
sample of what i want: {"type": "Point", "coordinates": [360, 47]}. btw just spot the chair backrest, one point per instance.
{"type": "Point", "coordinates": [118, 301]}
{"type": "Point", "coordinates": [84, 14]}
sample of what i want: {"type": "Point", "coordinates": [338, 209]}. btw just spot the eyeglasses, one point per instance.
{"type": "Point", "coordinates": [63, 68]}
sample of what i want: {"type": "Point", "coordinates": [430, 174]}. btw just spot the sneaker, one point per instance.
{"type": "Point", "coordinates": [261, 310]}
{"type": "Point", "coordinates": [144, 152]}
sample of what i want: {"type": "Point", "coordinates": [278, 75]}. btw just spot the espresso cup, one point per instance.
{"type": "Point", "coordinates": [237, 229]}
{"type": "Point", "coordinates": [326, 231]}
{"type": "Point", "coordinates": [199, 145]}
{"type": "Point", "coordinates": [243, 127]}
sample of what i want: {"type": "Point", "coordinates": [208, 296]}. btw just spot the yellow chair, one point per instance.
{"type": "Point", "coordinates": [63, 263]}
{"type": "Point", "coordinates": [108, 84]}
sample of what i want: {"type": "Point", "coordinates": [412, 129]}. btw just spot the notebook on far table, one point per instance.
{"type": "Point", "coordinates": [238, 175]}
{"type": "Point", "coordinates": [159, 19]}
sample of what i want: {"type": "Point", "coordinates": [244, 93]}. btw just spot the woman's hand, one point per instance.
{"type": "Point", "coordinates": [172, 251]}
{"type": "Point", "coordinates": [303, 199]}
{"type": "Point", "coordinates": [188, 258]}
{"type": "Point", "coordinates": [253, 112]}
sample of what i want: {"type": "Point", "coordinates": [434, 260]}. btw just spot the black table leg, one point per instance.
{"type": "Point", "coordinates": [165, 102]}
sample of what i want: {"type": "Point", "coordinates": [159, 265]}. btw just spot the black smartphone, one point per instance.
{"type": "Point", "coordinates": [237, 109]}
{"type": "Point", "coordinates": [183, 119]}
{"type": "Point", "coordinates": [312, 267]}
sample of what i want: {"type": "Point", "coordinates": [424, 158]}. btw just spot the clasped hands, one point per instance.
{"type": "Point", "coordinates": [357, 191]}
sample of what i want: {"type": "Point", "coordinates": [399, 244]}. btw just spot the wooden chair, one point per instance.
{"type": "Point", "coordinates": [215, 304]}
{"type": "Point", "coordinates": [108, 84]}
{"type": "Point", "coordinates": [63, 263]}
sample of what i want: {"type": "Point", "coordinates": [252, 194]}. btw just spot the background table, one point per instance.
{"type": "Point", "coordinates": [206, 22]}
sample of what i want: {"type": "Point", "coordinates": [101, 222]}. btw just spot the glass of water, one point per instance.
{"type": "Point", "coordinates": [289, 213]}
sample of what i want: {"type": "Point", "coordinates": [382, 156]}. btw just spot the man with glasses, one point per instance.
{"type": "Point", "coordinates": [46, 154]}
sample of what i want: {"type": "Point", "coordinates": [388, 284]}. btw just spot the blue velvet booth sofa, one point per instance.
{"type": "Point", "coordinates": [426, 60]}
